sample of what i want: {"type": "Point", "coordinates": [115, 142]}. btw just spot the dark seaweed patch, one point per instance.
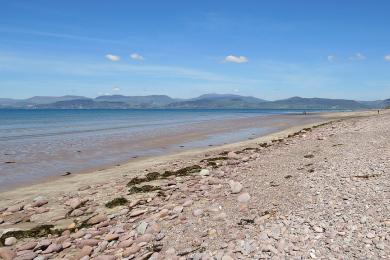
{"type": "Point", "coordinates": [116, 202]}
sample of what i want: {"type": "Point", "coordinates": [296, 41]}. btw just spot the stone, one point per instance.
{"type": "Point", "coordinates": [126, 243]}
{"type": "Point", "coordinates": [42, 245]}
{"type": "Point", "coordinates": [88, 242]}
{"type": "Point", "coordinates": [105, 257]}
{"type": "Point", "coordinates": [243, 197]}
{"type": "Point", "coordinates": [197, 212]}
{"type": "Point", "coordinates": [74, 203]}
{"type": "Point", "coordinates": [318, 229]}
{"type": "Point", "coordinates": [111, 237]}
{"type": "Point", "coordinates": [233, 155]}
{"type": "Point", "coordinates": [141, 228]}
{"type": "Point", "coordinates": [10, 241]}
{"type": "Point", "coordinates": [7, 254]}
{"type": "Point", "coordinates": [145, 238]}
{"type": "Point", "coordinates": [97, 219]}
{"type": "Point", "coordinates": [178, 209]}
{"type": "Point", "coordinates": [204, 172]}
{"type": "Point", "coordinates": [85, 251]}
{"type": "Point", "coordinates": [26, 255]}
{"type": "Point", "coordinates": [83, 188]}
{"type": "Point", "coordinates": [15, 208]}
{"type": "Point", "coordinates": [53, 248]}
{"type": "Point", "coordinates": [131, 250]}
{"type": "Point", "coordinates": [188, 203]}
{"type": "Point", "coordinates": [39, 203]}
{"type": "Point", "coordinates": [27, 246]}
{"type": "Point", "coordinates": [235, 186]}
{"type": "Point", "coordinates": [136, 212]}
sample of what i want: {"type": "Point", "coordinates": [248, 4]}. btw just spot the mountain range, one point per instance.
{"type": "Point", "coordinates": [207, 101]}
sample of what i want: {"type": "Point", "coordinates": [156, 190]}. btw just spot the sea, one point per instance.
{"type": "Point", "coordinates": [36, 145]}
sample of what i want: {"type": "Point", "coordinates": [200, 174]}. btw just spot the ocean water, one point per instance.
{"type": "Point", "coordinates": [40, 144]}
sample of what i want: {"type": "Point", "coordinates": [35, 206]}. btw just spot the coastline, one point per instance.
{"type": "Point", "coordinates": [48, 156]}
{"type": "Point", "coordinates": [284, 194]}
{"type": "Point", "coordinates": [136, 166]}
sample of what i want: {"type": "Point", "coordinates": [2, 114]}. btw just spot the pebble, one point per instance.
{"type": "Point", "coordinates": [15, 208]}
{"type": "Point", "coordinates": [178, 209]}
{"type": "Point", "coordinates": [39, 203]}
{"type": "Point", "coordinates": [131, 250]}
{"type": "Point", "coordinates": [74, 203]}
{"type": "Point", "coordinates": [26, 255]}
{"type": "Point", "coordinates": [85, 251]}
{"type": "Point", "coordinates": [204, 172]}
{"type": "Point", "coordinates": [111, 237]}
{"type": "Point", "coordinates": [141, 228]}
{"type": "Point", "coordinates": [243, 197]}
{"type": "Point", "coordinates": [10, 241]}
{"type": "Point", "coordinates": [7, 254]}
{"type": "Point", "coordinates": [197, 212]}
{"type": "Point", "coordinates": [136, 213]}
{"type": "Point", "coordinates": [188, 203]}
{"type": "Point", "coordinates": [105, 257]}
{"type": "Point", "coordinates": [318, 229]}
{"type": "Point", "coordinates": [235, 186]}
{"type": "Point", "coordinates": [97, 219]}
{"type": "Point", "coordinates": [27, 246]}
{"type": "Point", "coordinates": [53, 248]}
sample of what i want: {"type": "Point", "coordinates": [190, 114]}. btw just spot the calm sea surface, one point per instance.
{"type": "Point", "coordinates": [37, 144]}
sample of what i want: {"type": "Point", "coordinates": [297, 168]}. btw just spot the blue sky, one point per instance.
{"type": "Point", "coordinates": [267, 49]}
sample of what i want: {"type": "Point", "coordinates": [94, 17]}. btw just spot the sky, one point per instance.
{"type": "Point", "coordinates": [268, 49]}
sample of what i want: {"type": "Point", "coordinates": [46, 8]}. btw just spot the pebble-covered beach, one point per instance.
{"type": "Point", "coordinates": [319, 192]}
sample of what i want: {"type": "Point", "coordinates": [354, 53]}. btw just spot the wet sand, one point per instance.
{"type": "Point", "coordinates": [38, 162]}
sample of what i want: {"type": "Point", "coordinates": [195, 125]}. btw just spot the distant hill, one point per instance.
{"type": "Point", "coordinates": [139, 101]}
{"type": "Point", "coordinates": [84, 104]}
{"type": "Point", "coordinates": [219, 101]}
{"type": "Point", "coordinates": [48, 100]}
{"type": "Point", "coordinates": [313, 103]}
{"type": "Point", "coordinates": [207, 101]}
{"type": "Point", "coordinates": [376, 103]}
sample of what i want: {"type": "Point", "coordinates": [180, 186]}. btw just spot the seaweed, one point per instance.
{"type": "Point", "coordinates": [116, 202]}
{"type": "Point", "coordinates": [213, 159]}
{"type": "Point", "coordinates": [143, 189]}
{"type": "Point", "coordinates": [35, 232]}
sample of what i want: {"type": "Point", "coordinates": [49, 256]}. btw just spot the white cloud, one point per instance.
{"type": "Point", "coordinates": [136, 56]}
{"type": "Point", "coordinates": [236, 59]}
{"type": "Point", "coordinates": [387, 57]}
{"type": "Point", "coordinates": [358, 56]}
{"type": "Point", "coordinates": [116, 89]}
{"type": "Point", "coordinates": [331, 58]}
{"type": "Point", "coordinates": [112, 57]}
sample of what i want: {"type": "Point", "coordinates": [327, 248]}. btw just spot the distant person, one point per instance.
{"type": "Point", "coordinates": [378, 112]}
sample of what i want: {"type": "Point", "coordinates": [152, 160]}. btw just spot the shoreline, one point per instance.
{"type": "Point", "coordinates": [81, 154]}
{"type": "Point", "coordinates": [296, 193]}
{"type": "Point", "coordinates": [138, 164]}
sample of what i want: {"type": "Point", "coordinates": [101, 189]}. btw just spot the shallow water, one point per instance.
{"type": "Point", "coordinates": [38, 144]}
